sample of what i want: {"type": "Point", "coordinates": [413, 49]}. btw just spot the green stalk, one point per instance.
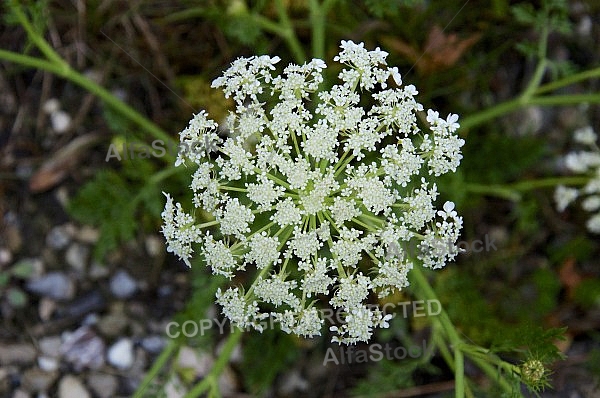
{"type": "Point", "coordinates": [289, 34]}
{"type": "Point", "coordinates": [268, 25]}
{"type": "Point", "coordinates": [540, 69]}
{"type": "Point", "coordinates": [318, 14]}
{"type": "Point", "coordinates": [492, 372]}
{"type": "Point", "coordinates": [568, 80]}
{"type": "Point", "coordinates": [159, 363]}
{"type": "Point", "coordinates": [531, 95]}
{"type": "Point", "coordinates": [509, 106]}
{"type": "Point", "coordinates": [455, 341]}
{"type": "Point", "coordinates": [212, 378]}
{"type": "Point", "coordinates": [283, 29]}
{"type": "Point", "coordinates": [36, 38]}
{"type": "Point", "coordinates": [110, 100]}
{"type": "Point", "coordinates": [567, 99]}
{"type": "Point", "coordinates": [58, 66]}
{"type": "Point", "coordinates": [120, 107]}
{"type": "Point", "coordinates": [490, 113]}
{"type": "Point", "coordinates": [32, 62]}
{"type": "Point", "coordinates": [513, 191]}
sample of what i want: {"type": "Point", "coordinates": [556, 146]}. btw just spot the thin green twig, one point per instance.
{"type": "Point", "coordinates": [211, 379]}
{"type": "Point", "coordinates": [289, 34]}
{"type": "Point", "coordinates": [513, 191]}
{"type": "Point", "coordinates": [568, 80]}
{"type": "Point", "coordinates": [58, 66]}
{"type": "Point", "coordinates": [159, 363]}
{"type": "Point", "coordinates": [447, 327]}
{"type": "Point", "coordinates": [35, 36]}
{"type": "Point", "coordinates": [318, 14]}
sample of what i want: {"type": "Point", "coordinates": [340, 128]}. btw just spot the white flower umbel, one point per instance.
{"type": "Point", "coordinates": [320, 191]}
{"type": "Point", "coordinates": [585, 162]}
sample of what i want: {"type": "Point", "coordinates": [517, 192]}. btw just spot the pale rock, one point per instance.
{"type": "Point", "coordinates": [122, 285]}
{"type": "Point", "coordinates": [55, 285]}
{"type": "Point", "coordinates": [77, 255]}
{"type": "Point", "coordinates": [61, 121]}
{"type": "Point", "coordinates": [17, 354]}
{"type": "Point", "coordinates": [48, 364]}
{"type": "Point", "coordinates": [104, 385]}
{"type": "Point", "coordinates": [38, 380]}
{"type": "Point", "coordinates": [71, 387]}
{"type": "Point", "coordinates": [50, 346]}
{"type": "Point", "coordinates": [120, 354]}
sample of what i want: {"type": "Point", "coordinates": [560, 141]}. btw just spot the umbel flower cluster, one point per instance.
{"type": "Point", "coordinates": [585, 162]}
{"type": "Point", "coordinates": [320, 195]}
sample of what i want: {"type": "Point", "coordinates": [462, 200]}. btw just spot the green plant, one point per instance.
{"type": "Point", "coordinates": [508, 361]}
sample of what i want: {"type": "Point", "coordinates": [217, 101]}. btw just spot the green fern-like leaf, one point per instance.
{"type": "Point", "coordinates": [107, 202]}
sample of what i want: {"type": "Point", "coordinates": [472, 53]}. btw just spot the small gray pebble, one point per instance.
{"type": "Point", "coordinates": [122, 285]}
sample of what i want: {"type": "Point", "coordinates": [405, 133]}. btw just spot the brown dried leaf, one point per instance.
{"type": "Point", "coordinates": [444, 50]}
{"type": "Point", "coordinates": [55, 169]}
{"type": "Point", "coordinates": [441, 51]}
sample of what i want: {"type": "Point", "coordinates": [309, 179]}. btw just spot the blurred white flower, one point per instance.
{"type": "Point", "coordinates": [587, 163]}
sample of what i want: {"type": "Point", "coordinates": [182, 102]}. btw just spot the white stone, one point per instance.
{"type": "Point", "coordinates": [77, 255]}
{"type": "Point", "coordinates": [122, 285]}
{"type": "Point", "coordinates": [71, 386]}
{"type": "Point", "coordinates": [48, 364]}
{"type": "Point", "coordinates": [120, 355]}
{"type": "Point", "coordinates": [61, 121]}
{"type": "Point", "coordinates": [51, 106]}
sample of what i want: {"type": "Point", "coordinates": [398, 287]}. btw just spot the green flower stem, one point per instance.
{"type": "Point", "coordinates": [362, 224]}
{"type": "Point", "coordinates": [535, 81]}
{"type": "Point", "coordinates": [56, 65]}
{"type": "Point", "coordinates": [273, 178]}
{"type": "Point", "coordinates": [476, 352]}
{"type": "Point", "coordinates": [289, 195]}
{"type": "Point", "coordinates": [236, 189]}
{"type": "Point", "coordinates": [287, 231]}
{"type": "Point", "coordinates": [455, 341]}
{"type": "Point", "coordinates": [459, 348]}
{"type": "Point", "coordinates": [241, 244]}
{"type": "Point", "coordinates": [541, 67]}
{"type": "Point", "coordinates": [318, 14]}
{"type": "Point", "coordinates": [32, 62]}
{"type": "Point", "coordinates": [160, 362]}
{"type": "Point", "coordinates": [568, 80]}
{"type": "Point", "coordinates": [266, 227]}
{"type": "Point", "coordinates": [296, 147]}
{"type": "Point", "coordinates": [261, 274]}
{"type": "Point", "coordinates": [518, 103]}
{"type": "Point", "coordinates": [340, 269]}
{"type": "Point", "coordinates": [531, 95]}
{"type": "Point", "coordinates": [567, 99]}
{"type": "Point", "coordinates": [438, 341]}
{"type": "Point", "coordinates": [289, 34]}
{"type": "Point", "coordinates": [211, 379]}
{"type": "Point", "coordinates": [514, 191]}
{"type": "Point", "coordinates": [341, 165]}
{"type": "Point", "coordinates": [492, 372]}
{"type": "Point", "coordinates": [209, 224]}
{"type": "Point", "coordinates": [110, 100]}
{"type": "Point", "coordinates": [372, 218]}
{"type": "Point", "coordinates": [459, 373]}
{"type": "Point", "coordinates": [36, 38]}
